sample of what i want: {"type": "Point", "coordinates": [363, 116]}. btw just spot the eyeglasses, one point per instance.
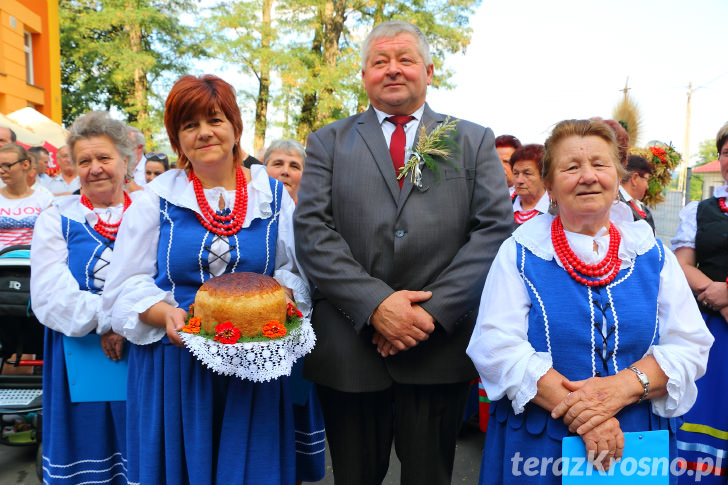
{"type": "Point", "coordinates": [7, 166]}
{"type": "Point", "coordinates": [156, 157]}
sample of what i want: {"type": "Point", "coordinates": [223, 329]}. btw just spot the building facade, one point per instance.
{"type": "Point", "coordinates": [30, 57]}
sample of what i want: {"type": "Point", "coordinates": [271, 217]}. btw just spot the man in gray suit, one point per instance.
{"type": "Point", "coordinates": [398, 271]}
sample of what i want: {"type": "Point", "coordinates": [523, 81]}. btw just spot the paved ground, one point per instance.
{"type": "Point", "coordinates": [17, 464]}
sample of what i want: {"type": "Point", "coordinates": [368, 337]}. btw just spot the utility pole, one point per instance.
{"type": "Point", "coordinates": [682, 175]}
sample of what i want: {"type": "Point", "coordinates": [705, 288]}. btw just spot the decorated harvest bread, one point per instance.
{"type": "Point", "coordinates": [247, 300]}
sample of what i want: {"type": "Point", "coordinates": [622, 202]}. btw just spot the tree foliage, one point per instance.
{"type": "Point", "coordinates": [313, 51]}
{"type": "Point", "coordinates": [303, 54]}
{"type": "Point", "coordinates": [707, 152]}
{"type": "Point", "coordinates": [113, 52]}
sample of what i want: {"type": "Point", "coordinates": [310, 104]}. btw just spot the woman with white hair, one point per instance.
{"type": "Point", "coordinates": [72, 248]}
{"type": "Point", "coordinates": [284, 160]}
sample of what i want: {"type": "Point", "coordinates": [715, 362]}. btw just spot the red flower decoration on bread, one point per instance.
{"type": "Point", "coordinates": [274, 329]}
{"type": "Point", "coordinates": [226, 333]}
{"type": "Point", "coordinates": [193, 325]}
{"type": "Point", "coordinates": [292, 311]}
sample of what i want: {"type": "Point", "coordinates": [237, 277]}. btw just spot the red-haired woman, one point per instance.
{"type": "Point", "coordinates": [505, 145]}
{"type": "Point", "coordinates": [187, 424]}
{"type": "Point", "coordinates": [531, 197]}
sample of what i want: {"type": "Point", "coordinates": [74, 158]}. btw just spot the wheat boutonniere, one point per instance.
{"type": "Point", "coordinates": [439, 144]}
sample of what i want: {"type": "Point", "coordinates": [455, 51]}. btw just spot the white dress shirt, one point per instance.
{"type": "Point", "coordinates": [140, 172]}
{"type": "Point", "coordinates": [410, 128]}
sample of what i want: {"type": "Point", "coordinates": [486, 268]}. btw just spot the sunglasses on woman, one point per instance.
{"type": "Point", "coordinates": [156, 157]}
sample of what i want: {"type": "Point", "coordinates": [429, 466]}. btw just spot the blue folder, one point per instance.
{"type": "Point", "coordinates": [91, 375]}
{"type": "Point", "coordinates": [645, 461]}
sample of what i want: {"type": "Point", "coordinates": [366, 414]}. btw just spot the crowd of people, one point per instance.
{"type": "Point", "coordinates": [533, 267]}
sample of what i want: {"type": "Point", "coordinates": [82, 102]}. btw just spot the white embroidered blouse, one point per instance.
{"type": "Point", "coordinates": [509, 366]}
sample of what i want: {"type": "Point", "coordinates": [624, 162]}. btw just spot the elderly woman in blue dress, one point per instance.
{"type": "Point", "coordinates": [211, 216]}
{"type": "Point", "coordinates": [701, 248]}
{"type": "Point", "coordinates": [72, 246]}
{"type": "Point", "coordinates": [531, 198]}
{"type": "Point", "coordinates": [561, 343]}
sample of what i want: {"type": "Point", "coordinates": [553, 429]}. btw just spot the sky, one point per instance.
{"type": "Point", "coordinates": [533, 63]}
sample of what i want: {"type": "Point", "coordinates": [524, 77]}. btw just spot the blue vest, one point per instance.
{"type": "Point", "coordinates": [621, 319]}
{"type": "Point", "coordinates": [183, 254]}
{"type": "Point", "coordinates": [621, 324]}
{"type": "Point", "coordinates": [88, 246]}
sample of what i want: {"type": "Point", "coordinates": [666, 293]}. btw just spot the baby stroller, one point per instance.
{"type": "Point", "coordinates": [20, 334]}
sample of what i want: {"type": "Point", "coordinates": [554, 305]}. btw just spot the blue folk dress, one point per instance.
{"type": "Point", "coordinates": [83, 442]}
{"type": "Point", "coordinates": [588, 332]}
{"type": "Point", "coordinates": [186, 424]}
{"type": "Point", "coordinates": [703, 437]}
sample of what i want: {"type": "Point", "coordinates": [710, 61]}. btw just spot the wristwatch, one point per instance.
{"type": "Point", "coordinates": [643, 380]}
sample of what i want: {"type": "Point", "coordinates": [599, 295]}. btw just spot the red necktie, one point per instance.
{"type": "Point", "coordinates": [396, 144]}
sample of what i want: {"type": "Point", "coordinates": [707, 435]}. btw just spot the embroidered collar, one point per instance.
{"type": "Point", "coordinates": [542, 205]}
{"type": "Point", "coordinates": [721, 191]}
{"type": "Point", "coordinates": [70, 206]}
{"type": "Point", "coordinates": [637, 237]}
{"type": "Point", "coordinates": [174, 186]}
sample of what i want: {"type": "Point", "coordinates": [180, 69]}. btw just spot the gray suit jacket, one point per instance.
{"type": "Point", "coordinates": [359, 239]}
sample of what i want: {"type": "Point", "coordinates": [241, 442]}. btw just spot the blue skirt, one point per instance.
{"type": "Point", "coordinates": [511, 440]}
{"type": "Point", "coordinates": [82, 442]}
{"type": "Point", "coordinates": [703, 437]}
{"type": "Point", "coordinates": [188, 425]}
{"type": "Point", "coordinates": [310, 431]}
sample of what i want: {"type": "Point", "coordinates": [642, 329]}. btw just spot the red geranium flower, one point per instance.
{"type": "Point", "coordinates": [226, 333]}
{"type": "Point", "coordinates": [193, 325]}
{"type": "Point", "coordinates": [659, 152]}
{"type": "Point", "coordinates": [293, 311]}
{"type": "Point", "coordinates": [274, 329]}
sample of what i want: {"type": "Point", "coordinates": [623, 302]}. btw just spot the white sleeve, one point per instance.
{"type": "Point", "coordinates": [685, 236]}
{"type": "Point", "coordinates": [684, 341]}
{"type": "Point", "coordinates": [507, 363]}
{"type": "Point", "coordinates": [56, 297]}
{"type": "Point", "coordinates": [288, 272]}
{"type": "Point", "coordinates": [130, 288]}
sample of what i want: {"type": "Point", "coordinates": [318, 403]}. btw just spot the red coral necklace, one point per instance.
{"type": "Point", "coordinates": [104, 228]}
{"type": "Point", "coordinates": [222, 225]}
{"type": "Point", "coordinates": [577, 268]}
{"type": "Point", "coordinates": [523, 216]}
{"type": "Point", "coordinates": [721, 203]}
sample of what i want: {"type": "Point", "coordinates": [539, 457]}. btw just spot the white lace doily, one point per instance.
{"type": "Point", "coordinates": [255, 361]}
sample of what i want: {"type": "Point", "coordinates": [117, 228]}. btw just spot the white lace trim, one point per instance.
{"type": "Point", "coordinates": [254, 361]}
{"type": "Point", "coordinates": [174, 186]}
{"type": "Point", "coordinates": [535, 235]}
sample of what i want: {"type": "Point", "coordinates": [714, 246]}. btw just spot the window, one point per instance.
{"type": "Point", "coordinates": [28, 48]}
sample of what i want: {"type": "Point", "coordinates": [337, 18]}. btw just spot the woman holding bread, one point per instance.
{"type": "Point", "coordinates": [211, 216]}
